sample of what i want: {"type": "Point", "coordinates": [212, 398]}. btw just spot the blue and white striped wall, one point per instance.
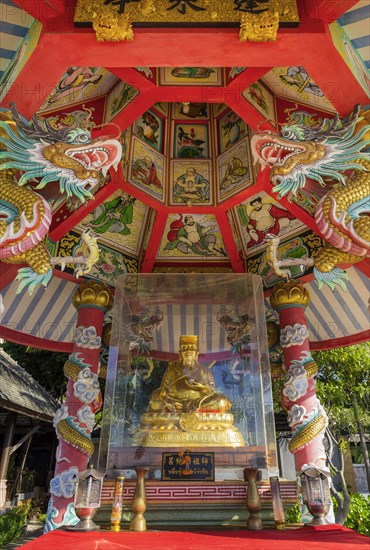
{"type": "Point", "coordinates": [356, 23]}
{"type": "Point", "coordinates": [49, 314]}
{"type": "Point", "coordinates": [15, 24]}
{"type": "Point", "coordinates": [339, 314]}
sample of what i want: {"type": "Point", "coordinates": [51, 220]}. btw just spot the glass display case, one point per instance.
{"type": "Point", "coordinates": [188, 371]}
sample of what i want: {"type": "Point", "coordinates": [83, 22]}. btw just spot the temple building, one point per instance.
{"type": "Point", "coordinates": [184, 210]}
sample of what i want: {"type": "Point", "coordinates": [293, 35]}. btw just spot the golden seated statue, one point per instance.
{"type": "Point", "coordinates": [187, 409]}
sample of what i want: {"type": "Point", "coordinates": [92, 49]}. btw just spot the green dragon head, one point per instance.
{"type": "Point", "coordinates": [69, 156]}
{"type": "Point", "coordinates": [320, 152]}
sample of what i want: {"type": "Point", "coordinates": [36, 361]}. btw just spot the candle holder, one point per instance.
{"type": "Point", "coordinates": [115, 518]}
{"type": "Point", "coordinates": [87, 499]}
{"type": "Point", "coordinates": [316, 493]}
{"type": "Point", "coordinates": [253, 501]}
{"type": "Point", "coordinates": [277, 503]}
{"type": "Point", "coordinates": [138, 522]}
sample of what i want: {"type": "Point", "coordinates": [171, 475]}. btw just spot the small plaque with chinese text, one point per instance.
{"type": "Point", "coordinates": [186, 465]}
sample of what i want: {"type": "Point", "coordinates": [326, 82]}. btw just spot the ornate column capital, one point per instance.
{"type": "Point", "coordinates": [93, 294]}
{"type": "Point", "coordinates": [289, 294]}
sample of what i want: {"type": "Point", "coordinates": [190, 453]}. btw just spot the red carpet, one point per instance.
{"type": "Point", "coordinates": [332, 537]}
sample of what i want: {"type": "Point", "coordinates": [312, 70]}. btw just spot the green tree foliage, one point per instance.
{"type": "Point", "coordinates": [11, 524]}
{"type": "Point", "coordinates": [342, 386]}
{"type": "Point", "coordinates": [344, 374]}
{"type": "Point", "coordinates": [359, 514]}
{"type": "Point", "coordinates": [358, 517]}
{"type": "Point", "coordinates": [44, 366]}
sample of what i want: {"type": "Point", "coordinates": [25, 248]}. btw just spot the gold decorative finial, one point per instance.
{"type": "Point", "coordinates": [259, 27]}
{"type": "Point", "coordinates": [112, 27]}
{"type": "Point", "coordinates": [93, 294]}
{"type": "Point", "coordinates": [289, 293]}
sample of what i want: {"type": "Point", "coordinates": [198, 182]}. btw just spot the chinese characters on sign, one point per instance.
{"type": "Point", "coordinates": [120, 3]}
{"type": "Point", "coordinates": [188, 465]}
{"type": "Point", "coordinates": [182, 5]}
{"type": "Point", "coordinates": [249, 6]}
{"type": "Point", "coordinates": [195, 13]}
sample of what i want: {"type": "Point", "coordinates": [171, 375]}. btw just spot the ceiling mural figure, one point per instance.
{"type": "Point", "coordinates": [114, 216]}
{"type": "Point", "coordinates": [73, 83]}
{"type": "Point", "coordinates": [188, 235]}
{"type": "Point", "coordinates": [147, 168]}
{"type": "Point", "coordinates": [262, 216]}
{"type": "Point", "coordinates": [149, 128]}
{"type": "Point", "coordinates": [191, 185]}
{"type": "Point", "coordinates": [191, 141]}
{"type": "Point", "coordinates": [186, 128]}
{"type": "Point", "coordinates": [265, 218]}
{"type": "Point", "coordinates": [298, 78]}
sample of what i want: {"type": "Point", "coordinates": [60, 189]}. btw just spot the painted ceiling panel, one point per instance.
{"type": "Point", "coordinates": [262, 99]}
{"type": "Point", "coordinates": [191, 76]}
{"type": "Point", "coordinates": [118, 222]}
{"type": "Point", "coordinates": [262, 215]}
{"type": "Point", "coordinates": [147, 169]}
{"type": "Point", "coordinates": [79, 84]}
{"type": "Point", "coordinates": [295, 83]}
{"type": "Point", "coordinates": [118, 98]}
{"type": "Point", "coordinates": [187, 163]}
{"type": "Point", "coordinates": [192, 237]}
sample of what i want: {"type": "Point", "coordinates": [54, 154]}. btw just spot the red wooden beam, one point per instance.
{"type": "Point", "coordinates": [132, 77]}
{"type": "Point", "coordinates": [249, 114]}
{"type": "Point", "coordinates": [364, 267]}
{"type": "Point", "coordinates": [236, 101]}
{"type": "Point", "coordinates": [301, 214]}
{"type": "Point", "coordinates": [341, 342]}
{"type": "Point", "coordinates": [155, 241]}
{"type": "Point", "coordinates": [137, 193]}
{"type": "Point", "coordinates": [229, 241]}
{"type": "Point", "coordinates": [242, 195]}
{"type": "Point", "coordinates": [27, 340]}
{"type": "Point", "coordinates": [324, 10]}
{"type": "Point", "coordinates": [8, 273]}
{"type": "Point", "coordinates": [330, 72]}
{"type": "Point", "coordinates": [47, 11]}
{"type": "Point", "coordinates": [137, 107]}
{"type": "Point", "coordinates": [250, 74]}
{"type": "Point", "coordinates": [37, 79]}
{"type": "Point", "coordinates": [184, 47]}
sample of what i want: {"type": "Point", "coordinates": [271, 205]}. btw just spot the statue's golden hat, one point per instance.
{"type": "Point", "coordinates": [188, 339]}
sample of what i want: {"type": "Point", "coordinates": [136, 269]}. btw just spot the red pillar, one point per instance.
{"type": "Point", "coordinates": [306, 417]}
{"type": "Point", "coordinates": [75, 418]}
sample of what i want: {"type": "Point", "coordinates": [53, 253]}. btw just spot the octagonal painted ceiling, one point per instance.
{"type": "Point", "coordinates": [187, 162]}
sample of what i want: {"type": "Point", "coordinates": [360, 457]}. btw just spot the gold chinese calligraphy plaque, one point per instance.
{"type": "Point", "coordinates": [186, 13]}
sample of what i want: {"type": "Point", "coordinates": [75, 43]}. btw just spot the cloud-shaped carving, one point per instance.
{"type": "Point", "coordinates": [86, 337]}
{"type": "Point", "coordinates": [293, 335]}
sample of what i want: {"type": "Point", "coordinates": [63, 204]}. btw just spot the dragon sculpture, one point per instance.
{"type": "Point", "coordinates": [333, 153]}
{"type": "Point", "coordinates": [56, 162]}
